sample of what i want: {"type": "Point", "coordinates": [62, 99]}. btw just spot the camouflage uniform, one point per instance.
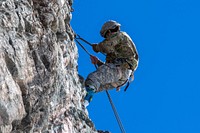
{"type": "Point", "coordinates": [120, 62]}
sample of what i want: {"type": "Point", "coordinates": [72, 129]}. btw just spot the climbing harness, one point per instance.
{"type": "Point", "coordinates": [109, 97]}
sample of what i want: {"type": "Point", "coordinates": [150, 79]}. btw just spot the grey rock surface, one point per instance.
{"type": "Point", "coordinates": [40, 91]}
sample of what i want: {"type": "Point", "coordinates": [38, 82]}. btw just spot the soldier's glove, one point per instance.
{"type": "Point", "coordinates": [94, 59]}
{"type": "Point", "coordinates": [95, 47]}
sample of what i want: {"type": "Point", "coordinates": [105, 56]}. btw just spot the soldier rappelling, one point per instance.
{"type": "Point", "coordinates": [121, 61]}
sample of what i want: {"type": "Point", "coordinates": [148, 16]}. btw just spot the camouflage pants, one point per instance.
{"type": "Point", "coordinates": [107, 76]}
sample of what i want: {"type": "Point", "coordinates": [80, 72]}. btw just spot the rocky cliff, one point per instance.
{"type": "Point", "coordinates": [40, 90]}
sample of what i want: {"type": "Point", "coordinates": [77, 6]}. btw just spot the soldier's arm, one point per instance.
{"type": "Point", "coordinates": [101, 47]}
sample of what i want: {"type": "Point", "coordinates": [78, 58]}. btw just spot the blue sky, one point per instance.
{"type": "Point", "coordinates": [165, 95]}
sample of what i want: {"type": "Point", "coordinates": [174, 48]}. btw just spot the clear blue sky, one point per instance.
{"type": "Point", "coordinates": [165, 95]}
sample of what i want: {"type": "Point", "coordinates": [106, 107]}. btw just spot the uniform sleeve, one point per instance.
{"type": "Point", "coordinates": [104, 47]}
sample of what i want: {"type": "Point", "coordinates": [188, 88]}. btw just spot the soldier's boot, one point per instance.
{"type": "Point", "coordinates": [89, 95]}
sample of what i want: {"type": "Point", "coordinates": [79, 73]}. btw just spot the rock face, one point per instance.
{"type": "Point", "coordinates": [40, 90]}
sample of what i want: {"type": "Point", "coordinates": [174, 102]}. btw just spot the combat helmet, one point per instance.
{"type": "Point", "coordinates": [111, 24]}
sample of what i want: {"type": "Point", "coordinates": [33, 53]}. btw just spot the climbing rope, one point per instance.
{"type": "Point", "coordinates": [82, 46]}
{"type": "Point", "coordinates": [116, 114]}
{"type": "Point", "coordinates": [84, 49]}
{"type": "Point", "coordinates": [109, 97]}
{"type": "Point", "coordinates": [79, 37]}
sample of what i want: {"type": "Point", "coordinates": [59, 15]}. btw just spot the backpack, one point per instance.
{"type": "Point", "coordinates": [126, 52]}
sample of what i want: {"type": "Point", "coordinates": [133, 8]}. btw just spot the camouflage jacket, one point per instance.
{"type": "Point", "coordinates": [119, 47]}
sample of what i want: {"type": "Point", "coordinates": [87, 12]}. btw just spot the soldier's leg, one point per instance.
{"type": "Point", "coordinates": [105, 74]}
{"type": "Point", "coordinates": [125, 74]}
